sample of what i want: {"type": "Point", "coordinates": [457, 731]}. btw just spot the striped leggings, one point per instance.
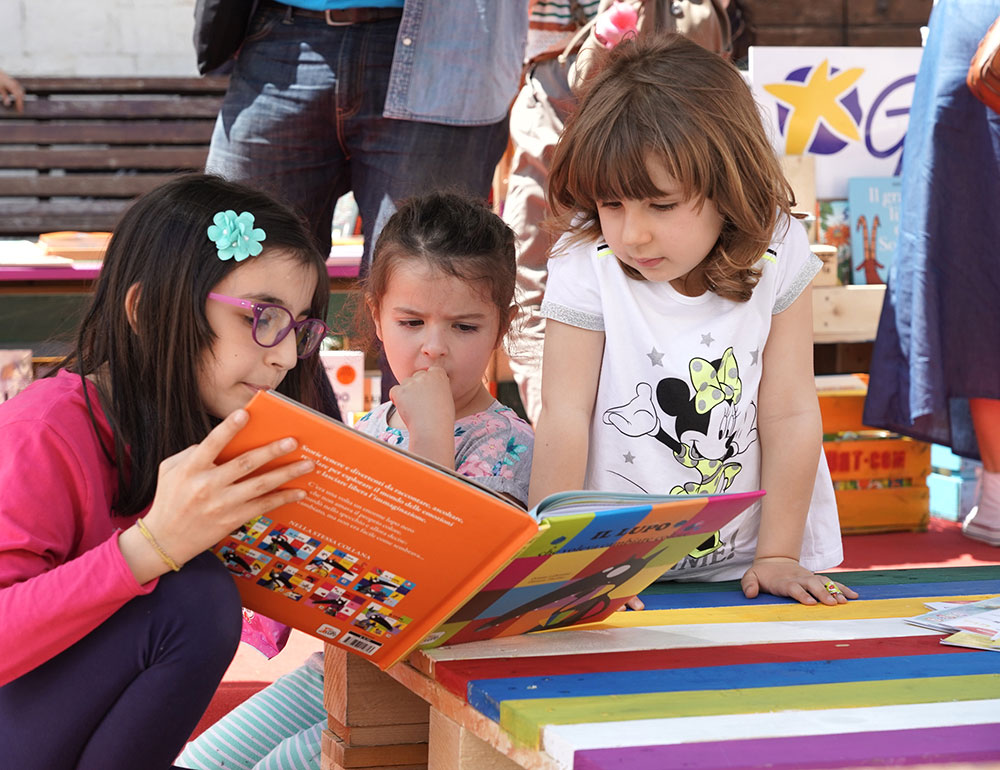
{"type": "Point", "coordinates": [278, 728]}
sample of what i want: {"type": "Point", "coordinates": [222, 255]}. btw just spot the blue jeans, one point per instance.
{"type": "Point", "coordinates": [129, 693]}
{"type": "Point", "coordinates": [302, 120]}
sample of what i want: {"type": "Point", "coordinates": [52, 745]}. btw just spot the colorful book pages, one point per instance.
{"type": "Point", "coordinates": [584, 566]}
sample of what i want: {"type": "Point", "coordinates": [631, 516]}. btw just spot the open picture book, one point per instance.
{"type": "Point", "coordinates": [390, 552]}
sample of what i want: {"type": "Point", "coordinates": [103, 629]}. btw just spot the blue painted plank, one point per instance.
{"type": "Point", "coordinates": [486, 695]}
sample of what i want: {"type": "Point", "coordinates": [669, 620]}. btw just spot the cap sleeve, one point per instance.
{"type": "Point", "coordinates": [572, 289]}
{"type": "Point", "coordinates": [794, 263]}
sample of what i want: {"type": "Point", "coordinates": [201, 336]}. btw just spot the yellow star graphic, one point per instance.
{"type": "Point", "coordinates": [816, 100]}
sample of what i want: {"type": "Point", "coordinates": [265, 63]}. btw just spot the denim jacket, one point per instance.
{"type": "Point", "coordinates": [457, 61]}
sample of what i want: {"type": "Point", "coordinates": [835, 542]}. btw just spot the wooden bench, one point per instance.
{"type": "Point", "coordinates": [85, 147]}
{"type": "Point", "coordinates": [702, 678]}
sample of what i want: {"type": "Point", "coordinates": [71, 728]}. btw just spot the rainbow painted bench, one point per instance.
{"type": "Point", "coordinates": [706, 678]}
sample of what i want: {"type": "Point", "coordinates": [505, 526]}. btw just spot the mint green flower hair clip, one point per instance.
{"type": "Point", "coordinates": [235, 236]}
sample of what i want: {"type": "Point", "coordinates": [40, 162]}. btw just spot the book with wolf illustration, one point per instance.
{"type": "Point", "coordinates": [390, 552]}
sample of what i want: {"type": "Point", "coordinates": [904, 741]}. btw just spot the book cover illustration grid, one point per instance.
{"type": "Point", "coordinates": [386, 547]}
{"type": "Point", "coordinates": [874, 207]}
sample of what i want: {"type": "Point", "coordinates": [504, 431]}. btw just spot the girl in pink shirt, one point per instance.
{"type": "Point", "coordinates": [117, 625]}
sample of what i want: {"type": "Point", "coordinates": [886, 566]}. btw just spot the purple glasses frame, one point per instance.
{"type": "Point", "coordinates": [304, 329]}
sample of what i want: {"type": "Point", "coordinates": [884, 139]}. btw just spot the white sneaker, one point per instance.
{"type": "Point", "coordinates": [986, 533]}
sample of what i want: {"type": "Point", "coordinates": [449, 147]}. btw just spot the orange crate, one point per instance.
{"type": "Point", "coordinates": [842, 401]}
{"type": "Point", "coordinates": [880, 481]}
{"type": "Point", "coordinates": [883, 510]}
{"type": "Point", "coordinates": [878, 455]}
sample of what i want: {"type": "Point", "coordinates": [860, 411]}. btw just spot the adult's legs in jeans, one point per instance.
{"type": "Point", "coordinates": [983, 522]}
{"type": "Point", "coordinates": [536, 121]}
{"type": "Point", "coordinates": [129, 693]}
{"type": "Point", "coordinates": [277, 128]}
{"type": "Point", "coordinates": [394, 159]}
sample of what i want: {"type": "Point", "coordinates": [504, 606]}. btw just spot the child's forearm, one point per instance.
{"type": "Point", "coordinates": [437, 445]}
{"type": "Point", "coordinates": [559, 461]}
{"type": "Point", "coordinates": [790, 449]}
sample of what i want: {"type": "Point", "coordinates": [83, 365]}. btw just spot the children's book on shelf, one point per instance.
{"type": "Point", "coordinates": [389, 551]}
{"type": "Point", "coordinates": [874, 207]}
{"type": "Point", "coordinates": [833, 228]}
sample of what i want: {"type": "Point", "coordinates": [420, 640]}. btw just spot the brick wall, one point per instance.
{"type": "Point", "coordinates": [97, 37]}
{"type": "Point", "coordinates": [839, 22]}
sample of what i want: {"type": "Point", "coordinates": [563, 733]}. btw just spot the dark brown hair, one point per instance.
{"type": "Point", "coordinates": [455, 234]}
{"type": "Point", "coordinates": [665, 96]}
{"type": "Point", "coordinates": [148, 369]}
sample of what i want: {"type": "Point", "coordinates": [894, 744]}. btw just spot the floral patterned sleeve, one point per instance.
{"type": "Point", "coordinates": [494, 447]}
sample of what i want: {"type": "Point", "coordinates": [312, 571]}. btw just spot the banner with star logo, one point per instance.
{"type": "Point", "coordinates": [848, 106]}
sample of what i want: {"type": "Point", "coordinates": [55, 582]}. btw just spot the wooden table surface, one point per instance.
{"type": "Point", "coordinates": [704, 678]}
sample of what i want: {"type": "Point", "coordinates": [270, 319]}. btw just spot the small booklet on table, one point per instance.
{"type": "Point", "coordinates": [390, 552]}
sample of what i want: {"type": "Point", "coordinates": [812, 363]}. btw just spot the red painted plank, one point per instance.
{"type": "Point", "coordinates": [455, 675]}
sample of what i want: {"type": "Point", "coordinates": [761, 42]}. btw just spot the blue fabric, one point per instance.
{"type": "Point", "coordinates": [130, 692]}
{"type": "Point", "coordinates": [938, 339]}
{"type": "Point", "coordinates": [322, 5]}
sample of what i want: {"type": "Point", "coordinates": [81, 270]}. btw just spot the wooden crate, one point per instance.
{"type": "Point", "coordinates": [864, 511]}
{"type": "Point", "coordinates": [846, 313]}
{"type": "Point", "coordinates": [842, 402]}
{"type": "Point", "coordinates": [880, 481]}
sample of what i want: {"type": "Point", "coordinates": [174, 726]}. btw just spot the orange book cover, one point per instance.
{"type": "Point", "coordinates": [387, 547]}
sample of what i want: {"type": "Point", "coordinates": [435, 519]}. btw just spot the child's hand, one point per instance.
{"type": "Point", "coordinates": [425, 403]}
{"type": "Point", "coordinates": [198, 502]}
{"type": "Point", "coordinates": [782, 576]}
{"type": "Point", "coordinates": [635, 603]}
{"type": "Point", "coordinates": [424, 399]}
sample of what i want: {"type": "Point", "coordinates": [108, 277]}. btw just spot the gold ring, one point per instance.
{"type": "Point", "coordinates": [831, 588]}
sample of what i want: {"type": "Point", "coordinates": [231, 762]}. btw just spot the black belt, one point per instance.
{"type": "Point", "coordinates": [338, 18]}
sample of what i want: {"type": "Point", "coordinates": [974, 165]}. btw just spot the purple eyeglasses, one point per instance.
{"type": "Point", "coordinates": [271, 324]}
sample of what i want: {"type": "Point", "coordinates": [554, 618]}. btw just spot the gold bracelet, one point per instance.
{"type": "Point", "coordinates": [156, 546]}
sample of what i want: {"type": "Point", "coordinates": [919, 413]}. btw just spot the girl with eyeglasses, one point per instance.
{"type": "Point", "coordinates": [117, 624]}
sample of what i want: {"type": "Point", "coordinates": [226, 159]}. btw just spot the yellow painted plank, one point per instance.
{"type": "Point", "coordinates": [524, 719]}
{"type": "Point", "coordinates": [757, 613]}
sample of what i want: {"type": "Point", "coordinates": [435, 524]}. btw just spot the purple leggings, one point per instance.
{"type": "Point", "coordinates": [129, 693]}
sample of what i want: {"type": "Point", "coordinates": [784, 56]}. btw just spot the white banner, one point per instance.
{"type": "Point", "coordinates": [847, 106]}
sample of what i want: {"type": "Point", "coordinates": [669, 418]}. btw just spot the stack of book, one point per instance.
{"type": "Point", "coordinates": [972, 624]}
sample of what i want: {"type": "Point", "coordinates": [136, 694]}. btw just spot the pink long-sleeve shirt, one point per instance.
{"type": "Point", "coordinates": [62, 573]}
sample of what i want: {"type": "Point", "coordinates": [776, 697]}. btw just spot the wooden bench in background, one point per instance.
{"type": "Point", "coordinates": [85, 147]}
{"type": "Point", "coordinates": [80, 152]}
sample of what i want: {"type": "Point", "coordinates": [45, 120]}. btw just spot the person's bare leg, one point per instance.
{"type": "Point", "coordinates": [983, 521]}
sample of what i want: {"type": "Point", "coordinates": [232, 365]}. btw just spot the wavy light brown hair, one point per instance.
{"type": "Point", "coordinates": [665, 96]}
